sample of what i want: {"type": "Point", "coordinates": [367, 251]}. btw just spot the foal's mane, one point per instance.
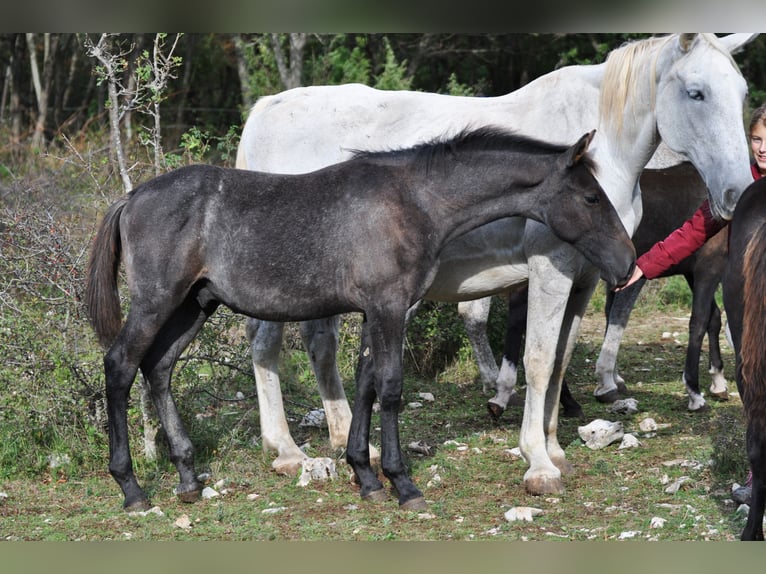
{"type": "Point", "coordinates": [486, 138]}
{"type": "Point", "coordinates": [631, 63]}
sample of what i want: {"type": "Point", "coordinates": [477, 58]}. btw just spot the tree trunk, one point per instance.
{"type": "Point", "coordinates": [290, 73]}
{"type": "Point", "coordinates": [244, 76]}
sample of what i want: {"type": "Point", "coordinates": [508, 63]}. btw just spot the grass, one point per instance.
{"type": "Point", "coordinates": [613, 494]}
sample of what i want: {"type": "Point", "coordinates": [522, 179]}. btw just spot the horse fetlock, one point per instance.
{"type": "Point", "coordinates": [564, 466]}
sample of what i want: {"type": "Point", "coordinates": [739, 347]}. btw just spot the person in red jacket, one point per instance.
{"type": "Point", "coordinates": [701, 226]}
{"type": "Point", "coordinates": [693, 234]}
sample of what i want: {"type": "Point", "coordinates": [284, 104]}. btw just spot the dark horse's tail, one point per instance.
{"type": "Point", "coordinates": [753, 352]}
{"type": "Point", "coordinates": [101, 296]}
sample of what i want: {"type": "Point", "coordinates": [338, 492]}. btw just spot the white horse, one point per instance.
{"type": "Point", "coordinates": [684, 89]}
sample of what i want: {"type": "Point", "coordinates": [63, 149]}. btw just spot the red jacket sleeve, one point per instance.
{"type": "Point", "coordinates": [684, 241]}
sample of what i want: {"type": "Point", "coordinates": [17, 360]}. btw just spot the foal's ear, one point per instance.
{"type": "Point", "coordinates": [578, 150]}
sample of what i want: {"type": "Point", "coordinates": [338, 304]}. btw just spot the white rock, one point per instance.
{"type": "Point", "coordinates": [600, 433]}
{"type": "Point", "coordinates": [676, 485]}
{"type": "Point", "coordinates": [629, 441]}
{"type": "Point", "coordinates": [414, 405]}
{"type": "Point", "coordinates": [525, 513]}
{"type": "Point", "coordinates": [153, 510]}
{"type": "Point", "coordinates": [657, 522]}
{"type": "Point", "coordinates": [428, 397]}
{"type": "Point", "coordinates": [273, 510]}
{"type": "Point", "coordinates": [183, 522]}
{"type": "Point", "coordinates": [315, 418]}
{"type": "Point", "coordinates": [629, 534]}
{"type": "Point", "coordinates": [321, 468]}
{"type": "Point", "coordinates": [624, 406]}
{"type": "Point", "coordinates": [208, 493]}
{"type": "Point", "coordinates": [648, 425]}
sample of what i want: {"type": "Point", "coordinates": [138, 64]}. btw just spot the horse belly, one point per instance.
{"type": "Point", "coordinates": [488, 260]}
{"type": "Point", "coordinates": [466, 282]}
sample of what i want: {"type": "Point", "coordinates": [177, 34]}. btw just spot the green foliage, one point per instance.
{"type": "Point", "coordinates": [394, 74]}
{"type": "Point", "coordinates": [263, 74]}
{"type": "Point", "coordinates": [343, 64]}
{"type": "Point", "coordinates": [455, 88]}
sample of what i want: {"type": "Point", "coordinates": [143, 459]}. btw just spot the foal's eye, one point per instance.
{"type": "Point", "coordinates": [591, 199]}
{"type": "Point", "coordinates": [696, 95]}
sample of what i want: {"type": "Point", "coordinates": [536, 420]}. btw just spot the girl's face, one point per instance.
{"type": "Point", "coordinates": [758, 146]}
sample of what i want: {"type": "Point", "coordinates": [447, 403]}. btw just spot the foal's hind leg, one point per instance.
{"type": "Point", "coordinates": [120, 368]}
{"type": "Point", "coordinates": [157, 367]}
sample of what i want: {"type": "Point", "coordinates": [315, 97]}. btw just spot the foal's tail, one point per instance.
{"type": "Point", "coordinates": [101, 296]}
{"type": "Point", "coordinates": [753, 352]}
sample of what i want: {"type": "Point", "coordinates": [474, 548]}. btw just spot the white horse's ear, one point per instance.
{"type": "Point", "coordinates": [735, 42]}
{"type": "Point", "coordinates": [686, 41]}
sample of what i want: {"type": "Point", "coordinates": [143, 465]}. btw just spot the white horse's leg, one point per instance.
{"type": "Point", "coordinates": [321, 340]}
{"type": "Point", "coordinates": [549, 290]}
{"type": "Point", "coordinates": [576, 306]}
{"type": "Point", "coordinates": [266, 342]}
{"type": "Point", "coordinates": [475, 315]}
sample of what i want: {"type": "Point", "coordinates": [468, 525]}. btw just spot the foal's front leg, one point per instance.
{"type": "Point", "coordinates": [381, 367]}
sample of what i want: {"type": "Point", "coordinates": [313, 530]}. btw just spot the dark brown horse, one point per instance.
{"type": "Point", "coordinates": [744, 297]}
{"type": "Point", "coordinates": [360, 236]}
{"type": "Point", "coordinates": [670, 195]}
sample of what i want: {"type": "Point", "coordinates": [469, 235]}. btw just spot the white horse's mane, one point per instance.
{"type": "Point", "coordinates": [625, 67]}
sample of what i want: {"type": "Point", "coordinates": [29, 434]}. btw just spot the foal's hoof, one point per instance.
{"type": "Point", "coordinates": [137, 506]}
{"type": "Point", "coordinates": [721, 396]}
{"type": "Point", "coordinates": [610, 397]}
{"type": "Point", "coordinates": [418, 503]}
{"type": "Point", "coordinates": [496, 411]}
{"type": "Point", "coordinates": [379, 495]}
{"type": "Point", "coordinates": [189, 494]}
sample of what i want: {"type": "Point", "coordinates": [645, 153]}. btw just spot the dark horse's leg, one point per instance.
{"type": "Point", "coordinates": [516, 325]}
{"type": "Point", "coordinates": [120, 367]}
{"type": "Point", "coordinates": [619, 305]}
{"type": "Point", "coordinates": [157, 367]}
{"type": "Point", "coordinates": [719, 386]}
{"type": "Point", "coordinates": [380, 372]}
{"type": "Point", "coordinates": [704, 309]}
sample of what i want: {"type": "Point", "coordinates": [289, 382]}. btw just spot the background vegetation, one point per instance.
{"type": "Point", "coordinates": [182, 99]}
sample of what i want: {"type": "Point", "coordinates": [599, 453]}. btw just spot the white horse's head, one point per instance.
{"type": "Point", "coordinates": [699, 106]}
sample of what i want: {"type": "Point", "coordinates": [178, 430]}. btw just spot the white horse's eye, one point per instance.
{"type": "Point", "coordinates": [695, 95]}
